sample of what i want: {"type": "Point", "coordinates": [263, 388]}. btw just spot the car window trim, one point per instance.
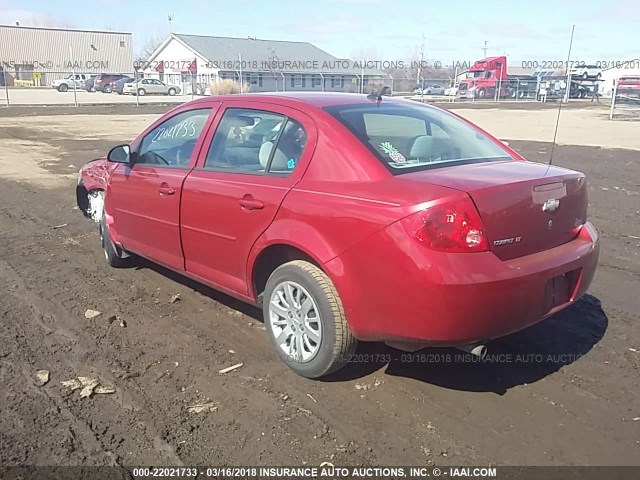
{"type": "Point", "coordinates": [267, 168]}
{"type": "Point", "coordinates": [238, 171]}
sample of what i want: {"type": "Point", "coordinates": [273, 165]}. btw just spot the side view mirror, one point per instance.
{"type": "Point", "coordinates": [120, 154]}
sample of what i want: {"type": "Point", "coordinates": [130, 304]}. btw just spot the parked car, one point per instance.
{"type": "Point", "coordinates": [451, 91]}
{"type": "Point", "coordinates": [360, 218]}
{"type": "Point", "coordinates": [104, 81]}
{"type": "Point", "coordinates": [118, 85]}
{"type": "Point", "coordinates": [88, 84]}
{"type": "Point", "coordinates": [68, 82]}
{"type": "Point", "coordinates": [586, 71]}
{"type": "Point", "coordinates": [150, 86]}
{"type": "Point", "coordinates": [433, 89]}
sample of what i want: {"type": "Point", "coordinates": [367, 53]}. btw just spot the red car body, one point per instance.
{"type": "Point", "coordinates": [343, 210]}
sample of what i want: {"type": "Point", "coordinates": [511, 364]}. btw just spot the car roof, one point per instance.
{"type": "Point", "coordinates": [313, 99]}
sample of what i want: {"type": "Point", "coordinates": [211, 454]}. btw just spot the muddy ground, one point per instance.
{"type": "Point", "coordinates": [564, 392]}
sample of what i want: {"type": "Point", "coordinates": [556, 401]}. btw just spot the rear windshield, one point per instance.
{"type": "Point", "coordinates": [410, 137]}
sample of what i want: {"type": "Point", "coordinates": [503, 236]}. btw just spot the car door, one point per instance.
{"type": "Point", "coordinates": [144, 197]}
{"type": "Point", "coordinates": [255, 156]}
{"type": "Point", "coordinates": [157, 87]}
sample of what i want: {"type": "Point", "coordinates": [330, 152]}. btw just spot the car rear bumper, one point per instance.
{"type": "Point", "coordinates": [426, 297]}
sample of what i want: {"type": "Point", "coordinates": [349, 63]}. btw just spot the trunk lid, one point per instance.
{"type": "Point", "coordinates": [525, 207]}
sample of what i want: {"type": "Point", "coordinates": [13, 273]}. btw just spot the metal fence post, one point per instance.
{"type": "Point", "coordinates": [613, 100]}
{"type": "Point", "coordinates": [6, 86]}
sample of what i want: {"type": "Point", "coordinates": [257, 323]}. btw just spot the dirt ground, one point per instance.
{"type": "Point", "coordinates": [564, 392]}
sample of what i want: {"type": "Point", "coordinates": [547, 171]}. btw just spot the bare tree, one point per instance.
{"type": "Point", "coordinates": [150, 45]}
{"type": "Point", "coordinates": [274, 65]}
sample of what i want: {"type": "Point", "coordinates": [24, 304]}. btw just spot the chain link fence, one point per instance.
{"type": "Point", "coordinates": [33, 87]}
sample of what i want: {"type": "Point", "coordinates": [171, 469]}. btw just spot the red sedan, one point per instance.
{"type": "Point", "coordinates": [348, 217]}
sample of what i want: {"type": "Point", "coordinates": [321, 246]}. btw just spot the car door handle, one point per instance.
{"type": "Point", "coordinates": [249, 203]}
{"type": "Point", "coordinates": [166, 190]}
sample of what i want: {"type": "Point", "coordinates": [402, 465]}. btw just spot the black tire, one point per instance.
{"type": "Point", "coordinates": [172, 92]}
{"type": "Point", "coordinates": [106, 89]}
{"type": "Point", "coordinates": [63, 87]}
{"type": "Point", "coordinates": [142, 92]}
{"type": "Point", "coordinates": [482, 93]}
{"type": "Point", "coordinates": [111, 252]}
{"type": "Point", "coordinates": [337, 342]}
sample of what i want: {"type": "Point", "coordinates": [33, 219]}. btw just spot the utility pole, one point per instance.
{"type": "Point", "coordinates": [421, 59]}
{"type": "Point", "coordinates": [485, 49]}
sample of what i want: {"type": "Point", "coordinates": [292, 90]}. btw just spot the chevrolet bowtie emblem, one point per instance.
{"type": "Point", "coordinates": [550, 205]}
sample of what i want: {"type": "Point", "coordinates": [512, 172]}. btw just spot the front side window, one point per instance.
{"type": "Point", "coordinates": [416, 137]}
{"type": "Point", "coordinates": [171, 143]}
{"type": "Point", "coordinates": [256, 141]}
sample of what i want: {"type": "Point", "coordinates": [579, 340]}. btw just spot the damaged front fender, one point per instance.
{"type": "Point", "coordinates": [93, 178]}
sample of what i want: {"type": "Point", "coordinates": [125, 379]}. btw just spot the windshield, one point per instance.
{"type": "Point", "coordinates": [416, 137]}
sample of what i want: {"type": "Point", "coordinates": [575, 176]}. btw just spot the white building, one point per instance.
{"type": "Point", "coordinates": [264, 65]}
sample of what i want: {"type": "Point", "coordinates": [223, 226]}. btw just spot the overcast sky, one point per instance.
{"type": "Point", "coordinates": [373, 29]}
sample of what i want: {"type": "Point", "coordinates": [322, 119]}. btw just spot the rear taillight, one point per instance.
{"type": "Point", "coordinates": [453, 227]}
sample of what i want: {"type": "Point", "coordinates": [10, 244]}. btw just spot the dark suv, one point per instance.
{"type": "Point", "coordinates": [103, 82]}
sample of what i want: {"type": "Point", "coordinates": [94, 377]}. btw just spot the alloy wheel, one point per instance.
{"type": "Point", "coordinates": [294, 318]}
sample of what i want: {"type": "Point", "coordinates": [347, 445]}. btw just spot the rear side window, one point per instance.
{"type": "Point", "coordinates": [256, 141]}
{"type": "Point", "coordinates": [409, 138]}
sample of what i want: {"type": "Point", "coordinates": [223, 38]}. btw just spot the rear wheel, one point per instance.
{"type": "Point", "coordinates": [172, 91]}
{"type": "Point", "coordinates": [305, 320]}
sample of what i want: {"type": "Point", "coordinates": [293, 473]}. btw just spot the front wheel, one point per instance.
{"type": "Point", "coordinates": [482, 93]}
{"type": "Point", "coordinates": [142, 92]}
{"type": "Point", "coordinates": [63, 87]}
{"type": "Point", "coordinates": [305, 320]}
{"type": "Point", "coordinates": [112, 254]}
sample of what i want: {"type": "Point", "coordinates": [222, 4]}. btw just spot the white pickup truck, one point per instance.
{"type": "Point", "coordinates": [66, 83]}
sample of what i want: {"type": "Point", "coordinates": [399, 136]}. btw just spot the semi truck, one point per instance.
{"type": "Point", "coordinates": [489, 77]}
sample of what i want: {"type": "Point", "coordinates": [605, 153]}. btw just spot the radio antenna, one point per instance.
{"type": "Point", "coordinates": [567, 93]}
